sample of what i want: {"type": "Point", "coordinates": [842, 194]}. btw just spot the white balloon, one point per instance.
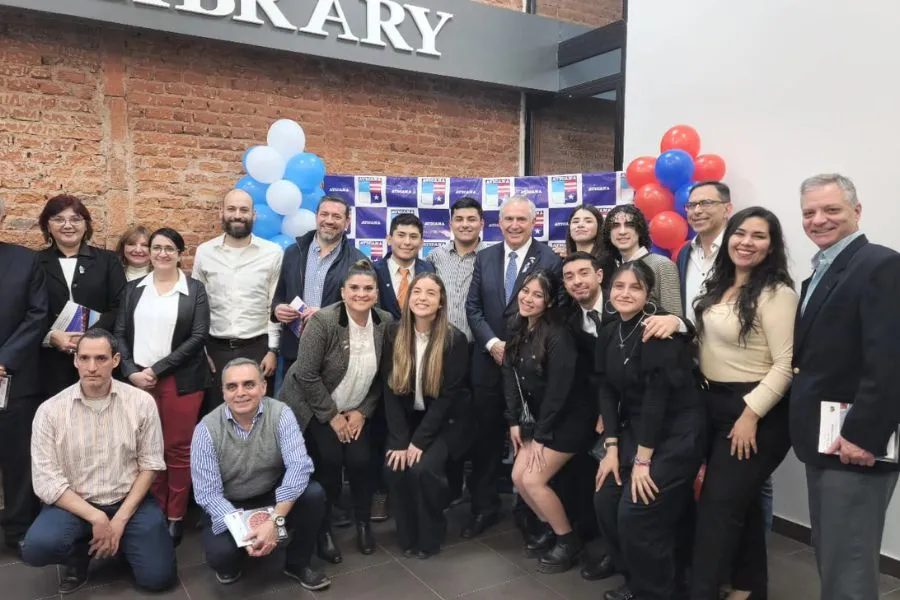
{"type": "Point", "coordinates": [284, 197]}
{"type": "Point", "coordinates": [287, 137]}
{"type": "Point", "coordinates": [298, 223]}
{"type": "Point", "coordinates": [265, 164]}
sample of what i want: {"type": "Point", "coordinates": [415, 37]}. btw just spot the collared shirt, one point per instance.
{"type": "Point", "coordinates": [95, 453]}
{"type": "Point", "coordinates": [394, 269]}
{"type": "Point", "coordinates": [699, 269]}
{"type": "Point", "coordinates": [821, 262]}
{"type": "Point", "coordinates": [207, 477]}
{"type": "Point", "coordinates": [455, 270]}
{"type": "Point", "coordinates": [521, 253]}
{"type": "Point", "coordinates": [640, 252]}
{"type": "Point", "coordinates": [587, 324]}
{"type": "Point", "coordinates": [361, 367]}
{"type": "Point", "coordinates": [316, 270]}
{"type": "Point", "coordinates": [154, 321]}
{"type": "Point", "coordinates": [240, 284]}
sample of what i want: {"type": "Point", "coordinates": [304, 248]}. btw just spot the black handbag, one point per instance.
{"type": "Point", "coordinates": [526, 419]}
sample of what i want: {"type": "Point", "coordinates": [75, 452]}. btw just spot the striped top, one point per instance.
{"type": "Point", "coordinates": [455, 270]}
{"type": "Point", "coordinates": [95, 451]}
{"type": "Point", "coordinates": [666, 292]}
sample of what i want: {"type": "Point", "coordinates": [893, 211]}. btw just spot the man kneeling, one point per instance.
{"type": "Point", "coordinates": [95, 450]}
{"type": "Point", "coordinates": [249, 453]}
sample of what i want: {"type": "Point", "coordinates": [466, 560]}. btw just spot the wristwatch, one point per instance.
{"type": "Point", "coordinates": [274, 351]}
{"type": "Point", "coordinates": [280, 528]}
{"type": "Point", "coordinates": [611, 444]}
{"type": "Point", "coordinates": [279, 520]}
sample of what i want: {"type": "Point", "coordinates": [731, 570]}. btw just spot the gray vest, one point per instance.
{"type": "Point", "coordinates": [253, 466]}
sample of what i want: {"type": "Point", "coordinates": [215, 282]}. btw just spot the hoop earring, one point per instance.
{"type": "Point", "coordinates": [655, 309]}
{"type": "Point", "coordinates": [606, 308]}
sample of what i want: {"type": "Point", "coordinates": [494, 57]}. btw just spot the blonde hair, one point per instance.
{"type": "Point", "coordinates": [129, 237]}
{"type": "Point", "coordinates": [403, 376]}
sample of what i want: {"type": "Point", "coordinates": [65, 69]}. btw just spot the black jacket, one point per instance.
{"type": "Point", "coordinates": [449, 416]}
{"type": "Point", "coordinates": [387, 295]}
{"type": "Point", "coordinates": [23, 318]}
{"type": "Point", "coordinates": [98, 285]}
{"type": "Point", "coordinates": [846, 350]}
{"type": "Point", "coordinates": [292, 281]}
{"type": "Point", "coordinates": [187, 362]}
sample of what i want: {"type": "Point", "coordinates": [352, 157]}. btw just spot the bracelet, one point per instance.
{"type": "Point", "coordinates": [641, 463]}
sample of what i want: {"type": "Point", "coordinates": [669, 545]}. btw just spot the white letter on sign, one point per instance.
{"type": "Point", "coordinates": [322, 13]}
{"type": "Point", "coordinates": [223, 8]}
{"type": "Point", "coordinates": [159, 3]}
{"type": "Point", "coordinates": [429, 33]}
{"type": "Point", "coordinates": [249, 14]}
{"type": "Point", "coordinates": [375, 25]}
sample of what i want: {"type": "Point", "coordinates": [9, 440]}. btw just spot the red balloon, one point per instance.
{"type": "Point", "coordinates": [709, 167]}
{"type": "Point", "coordinates": [678, 250]}
{"type": "Point", "coordinates": [653, 199]}
{"type": "Point", "coordinates": [641, 171]}
{"type": "Point", "coordinates": [681, 137]}
{"type": "Point", "coordinates": [668, 230]}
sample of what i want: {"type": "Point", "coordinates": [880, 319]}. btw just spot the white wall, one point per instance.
{"type": "Point", "coordinates": [781, 89]}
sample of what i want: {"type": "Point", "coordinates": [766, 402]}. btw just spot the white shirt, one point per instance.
{"type": "Point", "coordinates": [394, 269]}
{"type": "Point", "coordinates": [154, 321]}
{"type": "Point", "coordinates": [240, 284]}
{"type": "Point", "coordinates": [521, 253]}
{"type": "Point", "coordinates": [68, 268]}
{"type": "Point", "coordinates": [699, 269]}
{"type": "Point", "coordinates": [361, 369]}
{"type": "Point", "coordinates": [421, 345]}
{"type": "Point", "coordinates": [587, 324]}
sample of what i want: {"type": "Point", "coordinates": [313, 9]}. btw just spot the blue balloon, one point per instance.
{"type": "Point", "coordinates": [682, 195]}
{"type": "Point", "coordinates": [253, 187]}
{"type": "Point", "coordinates": [306, 170]}
{"type": "Point", "coordinates": [674, 168]}
{"type": "Point", "coordinates": [657, 250]}
{"type": "Point", "coordinates": [282, 240]}
{"type": "Point", "coordinates": [268, 222]}
{"type": "Point", "coordinates": [311, 199]}
{"type": "Point", "coordinates": [244, 158]}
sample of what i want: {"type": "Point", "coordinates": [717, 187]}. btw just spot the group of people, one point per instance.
{"type": "Point", "coordinates": [615, 376]}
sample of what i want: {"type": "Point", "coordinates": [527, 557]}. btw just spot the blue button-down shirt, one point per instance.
{"type": "Point", "coordinates": [207, 478]}
{"type": "Point", "coordinates": [316, 270]}
{"type": "Point", "coordinates": [821, 262]}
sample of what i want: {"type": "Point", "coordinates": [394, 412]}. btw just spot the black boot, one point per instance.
{"type": "Point", "coordinates": [365, 541]}
{"type": "Point", "coordinates": [562, 556]}
{"type": "Point", "coordinates": [540, 542]}
{"type": "Point", "coordinates": [327, 548]}
{"type": "Point", "coordinates": [176, 532]}
{"type": "Point", "coordinates": [602, 569]}
{"type": "Point", "coordinates": [620, 593]}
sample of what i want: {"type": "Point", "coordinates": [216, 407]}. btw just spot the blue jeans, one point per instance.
{"type": "Point", "coordinates": [768, 494]}
{"type": "Point", "coordinates": [62, 538]}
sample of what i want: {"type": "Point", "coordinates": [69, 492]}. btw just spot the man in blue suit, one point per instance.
{"type": "Point", "coordinates": [396, 270]}
{"type": "Point", "coordinates": [499, 273]}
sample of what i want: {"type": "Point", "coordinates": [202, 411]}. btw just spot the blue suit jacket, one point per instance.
{"type": "Point", "coordinates": [487, 308]}
{"type": "Point", "coordinates": [387, 295]}
{"type": "Point", "coordinates": [681, 261]}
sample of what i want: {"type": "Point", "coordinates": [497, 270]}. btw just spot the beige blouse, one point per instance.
{"type": "Point", "coordinates": [766, 354]}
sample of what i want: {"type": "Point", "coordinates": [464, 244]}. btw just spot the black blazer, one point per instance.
{"type": "Point", "coordinates": [187, 362]}
{"type": "Point", "coordinates": [98, 285]}
{"type": "Point", "coordinates": [486, 304]}
{"type": "Point", "coordinates": [449, 416]}
{"type": "Point", "coordinates": [23, 318]}
{"type": "Point", "coordinates": [387, 295]}
{"type": "Point", "coordinates": [846, 350]}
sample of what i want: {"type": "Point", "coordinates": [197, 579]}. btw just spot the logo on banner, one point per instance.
{"type": "Point", "coordinates": [557, 245]}
{"type": "Point", "coordinates": [393, 213]}
{"type": "Point", "coordinates": [427, 247]}
{"type": "Point", "coordinates": [564, 190]}
{"type": "Point", "coordinates": [433, 191]}
{"type": "Point", "coordinates": [351, 224]}
{"type": "Point", "coordinates": [495, 192]}
{"type": "Point", "coordinates": [540, 224]}
{"type": "Point", "coordinates": [370, 190]}
{"type": "Point", "coordinates": [373, 249]}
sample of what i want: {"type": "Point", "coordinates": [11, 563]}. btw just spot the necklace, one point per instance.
{"type": "Point", "coordinates": [622, 340]}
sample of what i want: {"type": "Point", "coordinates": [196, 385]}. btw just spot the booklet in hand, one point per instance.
{"type": "Point", "coordinates": [241, 522]}
{"type": "Point", "coordinates": [299, 305]}
{"type": "Point", "coordinates": [832, 420]}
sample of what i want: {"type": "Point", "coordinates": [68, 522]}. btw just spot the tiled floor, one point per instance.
{"type": "Point", "coordinates": [490, 568]}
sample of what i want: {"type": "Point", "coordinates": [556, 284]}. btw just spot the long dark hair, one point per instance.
{"type": "Point", "coordinates": [638, 222]}
{"type": "Point", "coordinates": [773, 270]}
{"type": "Point", "coordinates": [519, 334]}
{"type": "Point", "coordinates": [598, 249]}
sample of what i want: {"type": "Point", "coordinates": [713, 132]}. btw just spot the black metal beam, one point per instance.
{"type": "Point", "coordinates": [592, 88]}
{"type": "Point", "coordinates": [591, 43]}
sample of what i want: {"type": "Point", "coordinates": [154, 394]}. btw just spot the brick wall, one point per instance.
{"type": "Point", "coordinates": [574, 136]}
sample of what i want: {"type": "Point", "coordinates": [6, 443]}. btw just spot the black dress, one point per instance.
{"type": "Point", "coordinates": [563, 412]}
{"type": "Point", "coordinates": [647, 397]}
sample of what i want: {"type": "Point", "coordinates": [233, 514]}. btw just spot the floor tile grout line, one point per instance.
{"type": "Point", "coordinates": [417, 578]}
{"type": "Point", "coordinates": [527, 573]}
{"type": "Point", "coordinates": [489, 587]}
{"type": "Point", "coordinates": [184, 587]}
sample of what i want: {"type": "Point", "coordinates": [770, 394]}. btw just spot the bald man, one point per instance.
{"type": "Point", "coordinates": [240, 272]}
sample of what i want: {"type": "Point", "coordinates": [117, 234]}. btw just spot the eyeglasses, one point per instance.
{"type": "Point", "coordinates": [163, 249]}
{"type": "Point", "coordinates": [60, 221]}
{"type": "Point", "coordinates": [703, 204]}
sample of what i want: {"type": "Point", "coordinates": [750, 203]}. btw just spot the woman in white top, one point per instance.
{"type": "Point", "coordinates": [333, 389]}
{"type": "Point", "coordinates": [134, 251]}
{"type": "Point", "coordinates": [162, 327]}
{"type": "Point", "coordinates": [428, 407]}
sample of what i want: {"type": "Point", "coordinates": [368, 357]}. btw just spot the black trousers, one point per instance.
{"type": "Point", "coordinates": [22, 506]}
{"type": "Point", "coordinates": [304, 520]}
{"type": "Point", "coordinates": [487, 450]}
{"type": "Point", "coordinates": [223, 351]}
{"type": "Point", "coordinates": [419, 496]}
{"type": "Point", "coordinates": [730, 539]}
{"type": "Point", "coordinates": [377, 424]}
{"type": "Point", "coordinates": [331, 458]}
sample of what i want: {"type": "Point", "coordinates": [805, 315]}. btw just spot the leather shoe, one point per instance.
{"type": "Point", "coordinates": [426, 554]}
{"type": "Point", "coordinates": [602, 569]}
{"type": "Point", "coordinates": [365, 541]}
{"type": "Point", "coordinates": [540, 542]}
{"type": "Point", "coordinates": [478, 524]}
{"type": "Point", "coordinates": [327, 548]}
{"type": "Point", "coordinates": [73, 579]}
{"type": "Point", "coordinates": [309, 578]}
{"type": "Point", "coordinates": [563, 555]}
{"type": "Point", "coordinates": [176, 531]}
{"type": "Point", "coordinates": [620, 593]}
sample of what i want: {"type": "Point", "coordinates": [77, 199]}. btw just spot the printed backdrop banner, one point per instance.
{"type": "Point", "coordinates": [376, 199]}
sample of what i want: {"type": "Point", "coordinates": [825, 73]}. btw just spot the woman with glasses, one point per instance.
{"type": "Point", "coordinates": [428, 407]}
{"type": "Point", "coordinates": [162, 328]}
{"type": "Point", "coordinates": [134, 251]}
{"type": "Point", "coordinates": [77, 272]}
